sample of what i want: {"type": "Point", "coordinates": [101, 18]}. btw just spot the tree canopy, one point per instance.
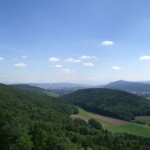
{"type": "Point", "coordinates": [113, 103]}
{"type": "Point", "coordinates": [38, 122]}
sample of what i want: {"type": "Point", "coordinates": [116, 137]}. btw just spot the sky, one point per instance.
{"type": "Point", "coordinates": [78, 41]}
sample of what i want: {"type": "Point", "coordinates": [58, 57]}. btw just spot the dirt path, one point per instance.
{"type": "Point", "coordinates": [113, 121]}
{"type": "Point", "coordinates": [108, 119]}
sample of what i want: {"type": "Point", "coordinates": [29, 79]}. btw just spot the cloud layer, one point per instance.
{"type": "Point", "coordinates": [88, 64]}
{"type": "Point", "coordinates": [54, 59]}
{"type": "Point", "coordinates": [116, 68]}
{"type": "Point", "coordinates": [20, 65]}
{"type": "Point", "coordinates": [87, 57]}
{"type": "Point", "coordinates": [107, 43]}
{"type": "Point", "coordinates": [145, 58]}
{"type": "Point", "coordinates": [72, 60]}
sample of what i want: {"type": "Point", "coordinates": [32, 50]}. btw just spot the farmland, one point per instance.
{"type": "Point", "coordinates": [145, 119]}
{"type": "Point", "coordinates": [115, 125]}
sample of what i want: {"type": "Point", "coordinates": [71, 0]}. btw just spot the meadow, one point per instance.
{"type": "Point", "coordinates": [145, 119]}
{"type": "Point", "coordinates": [116, 125]}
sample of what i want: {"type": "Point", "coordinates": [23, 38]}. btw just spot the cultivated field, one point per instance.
{"type": "Point", "coordinates": [115, 125]}
{"type": "Point", "coordinates": [145, 119]}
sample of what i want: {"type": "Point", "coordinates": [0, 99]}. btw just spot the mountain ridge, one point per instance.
{"type": "Point", "coordinates": [132, 87]}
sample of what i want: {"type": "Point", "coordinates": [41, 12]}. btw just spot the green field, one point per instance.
{"type": "Point", "coordinates": [145, 119]}
{"type": "Point", "coordinates": [53, 95]}
{"type": "Point", "coordinates": [86, 114]}
{"type": "Point", "coordinates": [116, 125]}
{"type": "Point", "coordinates": [131, 128]}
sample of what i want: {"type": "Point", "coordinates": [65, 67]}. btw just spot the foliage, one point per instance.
{"type": "Point", "coordinates": [95, 124]}
{"type": "Point", "coordinates": [30, 88]}
{"type": "Point", "coordinates": [39, 122]}
{"type": "Point", "coordinates": [119, 127]}
{"type": "Point", "coordinates": [113, 103]}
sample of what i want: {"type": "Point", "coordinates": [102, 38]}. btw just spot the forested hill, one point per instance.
{"type": "Point", "coordinates": [38, 122]}
{"type": "Point", "coordinates": [30, 121]}
{"type": "Point", "coordinates": [114, 103]}
{"type": "Point", "coordinates": [33, 89]}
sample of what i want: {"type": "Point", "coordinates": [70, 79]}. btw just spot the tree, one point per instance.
{"type": "Point", "coordinates": [95, 124]}
{"type": "Point", "coordinates": [23, 143]}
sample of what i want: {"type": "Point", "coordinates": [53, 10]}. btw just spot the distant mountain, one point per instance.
{"type": "Point", "coordinates": [132, 87]}
{"type": "Point", "coordinates": [58, 85]}
{"type": "Point", "coordinates": [60, 88]}
{"type": "Point", "coordinates": [51, 88]}
{"type": "Point", "coordinates": [114, 103]}
{"type": "Point", "coordinates": [146, 82]}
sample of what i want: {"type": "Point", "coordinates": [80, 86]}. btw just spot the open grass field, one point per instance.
{"type": "Point", "coordinates": [115, 125]}
{"type": "Point", "coordinates": [145, 119]}
{"type": "Point", "coordinates": [132, 128]}
{"type": "Point", "coordinates": [53, 95]}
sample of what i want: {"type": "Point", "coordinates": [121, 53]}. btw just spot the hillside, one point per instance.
{"type": "Point", "coordinates": [28, 121]}
{"type": "Point", "coordinates": [132, 87]}
{"type": "Point", "coordinates": [30, 88]}
{"type": "Point", "coordinates": [114, 103]}
{"type": "Point", "coordinates": [40, 90]}
{"type": "Point", "coordinates": [38, 122]}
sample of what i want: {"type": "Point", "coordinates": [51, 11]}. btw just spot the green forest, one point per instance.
{"type": "Point", "coordinates": [30, 121]}
{"type": "Point", "coordinates": [108, 102]}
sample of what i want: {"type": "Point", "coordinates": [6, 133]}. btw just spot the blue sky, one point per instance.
{"type": "Point", "coordinates": [80, 41]}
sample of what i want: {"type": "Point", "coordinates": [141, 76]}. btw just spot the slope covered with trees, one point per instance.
{"type": "Point", "coordinates": [30, 88]}
{"type": "Point", "coordinates": [39, 122]}
{"type": "Point", "coordinates": [114, 103]}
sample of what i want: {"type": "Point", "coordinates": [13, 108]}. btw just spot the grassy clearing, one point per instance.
{"type": "Point", "coordinates": [115, 125]}
{"type": "Point", "coordinates": [131, 128]}
{"type": "Point", "coordinates": [145, 119]}
{"type": "Point", "coordinates": [88, 115]}
{"type": "Point", "coordinates": [53, 95]}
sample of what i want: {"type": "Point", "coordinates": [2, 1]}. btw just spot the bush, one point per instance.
{"type": "Point", "coordinates": [95, 124]}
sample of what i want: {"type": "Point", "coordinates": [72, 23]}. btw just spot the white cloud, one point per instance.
{"type": "Point", "coordinates": [107, 43]}
{"type": "Point", "coordinates": [58, 66]}
{"type": "Point", "coordinates": [24, 57]}
{"type": "Point", "coordinates": [67, 71]}
{"type": "Point", "coordinates": [145, 58]}
{"type": "Point", "coordinates": [87, 57]}
{"type": "Point", "coordinates": [72, 60]}
{"type": "Point", "coordinates": [88, 64]}
{"type": "Point", "coordinates": [20, 65]}
{"type": "Point", "coordinates": [116, 68]}
{"type": "Point", "coordinates": [1, 58]}
{"type": "Point", "coordinates": [54, 59]}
